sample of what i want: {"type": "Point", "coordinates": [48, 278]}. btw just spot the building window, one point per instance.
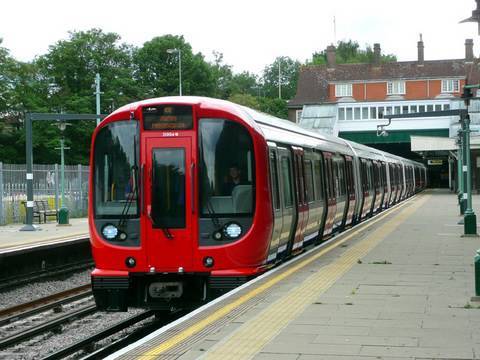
{"type": "Point", "coordinates": [398, 110]}
{"type": "Point", "coordinates": [349, 113]}
{"type": "Point", "coordinates": [373, 113]}
{"type": "Point", "coordinates": [341, 113]}
{"type": "Point", "coordinates": [342, 90]}
{"type": "Point", "coordinates": [365, 113]}
{"type": "Point", "coordinates": [450, 86]}
{"type": "Point", "coordinates": [356, 113]}
{"type": "Point", "coordinates": [446, 107]}
{"type": "Point", "coordinates": [429, 107]}
{"type": "Point", "coordinates": [413, 109]}
{"type": "Point", "coordinates": [421, 108]}
{"type": "Point", "coordinates": [396, 88]}
{"type": "Point", "coordinates": [298, 116]}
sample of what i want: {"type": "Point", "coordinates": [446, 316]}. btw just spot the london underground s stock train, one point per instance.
{"type": "Point", "coordinates": [191, 197]}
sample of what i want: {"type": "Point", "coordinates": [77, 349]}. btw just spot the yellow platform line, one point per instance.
{"type": "Point", "coordinates": [252, 336]}
{"type": "Point", "coordinates": [218, 314]}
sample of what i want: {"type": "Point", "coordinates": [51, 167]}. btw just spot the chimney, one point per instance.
{"type": "Point", "coordinates": [421, 57]}
{"type": "Point", "coordinates": [331, 56]}
{"type": "Point", "coordinates": [468, 50]}
{"type": "Point", "coordinates": [376, 54]}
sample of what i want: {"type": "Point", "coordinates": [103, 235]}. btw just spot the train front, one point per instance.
{"type": "Point", "coordinates": [179, 206]}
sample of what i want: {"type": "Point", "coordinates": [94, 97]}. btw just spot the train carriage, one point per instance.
{"type": "Point", "coordinates": [191, 197]}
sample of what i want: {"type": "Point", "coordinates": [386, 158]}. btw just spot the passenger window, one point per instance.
{"type": "Point", "coordinates": [274, 175]}
{"type": "Point", "coordinates": [287, 182]}
{"type": "Point", "coordinates": [309, 180]}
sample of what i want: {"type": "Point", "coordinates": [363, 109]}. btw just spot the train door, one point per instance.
{"type": "Point", "coordinates": [169, 185]}
{"type": "Point", "coordinates": [276, 203]}
{"type": "Point", "coordinates": [393, 186]}
{"type": "Point", "coordinates": [387, 189]}
{"type": "Point", "coordinates": [396, 172]}
{"type": "Point", "coordinates": [350, 190]}
{"type": "Point", "coordinates": [287, 198]}
{"type": "Point", "coordinates": [320, 192]}
{"type": "Point", "coordinates": [314, 199]}
{"type": "Point", "coordinates": [330, 194]}
{"type": "Point", "coordinates": [366, 186]}
{"type": "Point", "coordinates": [302, 205]}
{"type": "Point", "coordinates": [340, 190]}
{"type": "Point", "coordinates": [379, 191]}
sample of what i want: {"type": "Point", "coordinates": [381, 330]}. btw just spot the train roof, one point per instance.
{"type": "Point", "coordinates": [275, 129]}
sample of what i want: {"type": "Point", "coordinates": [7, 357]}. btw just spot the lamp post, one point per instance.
{"type": "Point", "coordinates": [179, 52]}
{"type": "Point", "coordinates": [63, 212]}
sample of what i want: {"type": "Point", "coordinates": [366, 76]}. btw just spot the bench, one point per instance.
{"type": "Point", "coordinates": [37, 212]}
{"type": "Point", "coordinates": [44, 206]}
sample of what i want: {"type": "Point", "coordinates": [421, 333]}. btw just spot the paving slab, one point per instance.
{"type": "Point", "coordinates": [400, 290]}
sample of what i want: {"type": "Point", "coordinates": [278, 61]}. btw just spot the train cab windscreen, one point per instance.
{"type": "Point", "coordinates": [226, 169]}
{"type": "Point", "coordinates": [116, 170]}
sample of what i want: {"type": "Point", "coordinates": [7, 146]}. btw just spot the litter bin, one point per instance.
{"type": "Point", "coordinates": [63, 216]}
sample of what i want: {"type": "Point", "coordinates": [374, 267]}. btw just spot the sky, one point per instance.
{"type": "Point", "coordinates": [249, 33]}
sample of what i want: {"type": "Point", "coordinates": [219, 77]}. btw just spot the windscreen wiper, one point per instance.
{"type": "Point", "coordinates": [167, 233]}
{"type": "Point", "coordinates": [213, 215]}
{"type": "Point", "coordinates": [132, 195]}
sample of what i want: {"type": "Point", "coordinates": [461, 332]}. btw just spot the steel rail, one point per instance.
{"type": "Point", "coordinates": [30, 308]}
{"type": "Point", "coordinates": [100, 336]}
{"type": "Point", "coordinates": [47, 326]}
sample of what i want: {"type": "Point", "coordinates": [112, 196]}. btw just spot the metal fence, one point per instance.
{"type": "Point", "coordinates": [46, 186]}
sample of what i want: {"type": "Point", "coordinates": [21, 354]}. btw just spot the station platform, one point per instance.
{"type": "Point", "coordinates": [12, 239]}
{"type": "Point", "coordinates": [398, 286]}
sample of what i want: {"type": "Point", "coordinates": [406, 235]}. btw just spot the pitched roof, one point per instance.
{"type": "Point", "coordinates": [313, 81]}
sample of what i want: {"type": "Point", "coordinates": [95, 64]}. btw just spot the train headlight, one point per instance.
{"type": "Point", "coordinates": [208, 261]}
{"type": "Point", "coordinates": [232, 230]}
{"type": "Point", "coordinates": [109, 232]}
{"type": "Point", "coordinates": [130, 262]}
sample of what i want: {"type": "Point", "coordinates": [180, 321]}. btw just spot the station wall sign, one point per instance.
{"type": "Point", "coordinates": [435, 162]}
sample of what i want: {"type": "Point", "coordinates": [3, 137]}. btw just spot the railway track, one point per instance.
{"type": "Point", "coordinates": [16, 328]}
{"type": "Point", "coordinates": [88, 344]}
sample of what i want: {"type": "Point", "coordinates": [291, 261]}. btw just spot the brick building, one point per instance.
{"type": "Point", "coordinates": [350, 100]}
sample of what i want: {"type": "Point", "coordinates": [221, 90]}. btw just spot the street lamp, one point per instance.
{"type": "Point", "coordinates": [179, 52]}
{"type": "Point", "coordinates": [63, 212]}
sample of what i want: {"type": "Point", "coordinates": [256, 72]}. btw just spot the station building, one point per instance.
{"type": "Point", "coordinates": [350, 100]}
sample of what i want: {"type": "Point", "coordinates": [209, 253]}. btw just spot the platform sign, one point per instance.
{"type": "Point", "coordinates": [435, 162]}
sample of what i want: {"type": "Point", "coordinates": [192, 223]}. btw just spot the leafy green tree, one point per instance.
{"type": "Point", "coordinates": [276, 107]}
{"type": "Point", "coordinates": [222, 76]}
{"type": "Point", "coordinates": [289, 70]}
{"type": "Point", "coordinates": [157, 70]}
{"type": "Point", "coordinates": [66, 75]}
{"type": "Point", "coordinates": [245, 83]}
{"type": "Point", "coordinates": [350, 52]}
{"type": "Point", "coordinates": [245, 100]}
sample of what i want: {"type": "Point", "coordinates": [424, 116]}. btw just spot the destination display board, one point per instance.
{"type": "Point", "coordinates": [168, 117]}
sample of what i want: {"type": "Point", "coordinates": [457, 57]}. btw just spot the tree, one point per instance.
{"type": "Point", "coordinates": [350, 52]}
{"type": "Point", "coordinates": [157, 70]}
{"type": "Point", "coordinates": [289, 70]}
{"type": "Point", "coordinates": [67, 74]}
{"type": "Point", "coordinates": [245, 100]}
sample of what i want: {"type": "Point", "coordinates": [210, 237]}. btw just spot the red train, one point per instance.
{"type": "Point", "coordinates": [191, 197]}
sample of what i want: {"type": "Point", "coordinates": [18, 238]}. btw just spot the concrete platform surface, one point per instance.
{"type": "Point", "coordinates": [399, 287]}
{"type": "Point", "coordinates": [11, 237]}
